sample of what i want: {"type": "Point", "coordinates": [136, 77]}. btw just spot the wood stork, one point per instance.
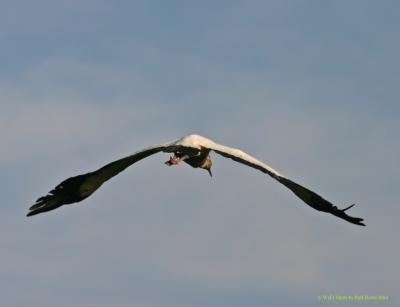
{"type": "Point", "coordinates": [193, 150]}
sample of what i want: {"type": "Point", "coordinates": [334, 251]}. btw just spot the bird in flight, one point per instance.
{"type": "Point", "coordinates": [191, 149]}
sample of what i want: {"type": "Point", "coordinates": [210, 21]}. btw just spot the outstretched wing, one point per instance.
{"type": "Point", "coordinates": [77, 188]}
{"type": "Point", "coordinates": [309, 197]}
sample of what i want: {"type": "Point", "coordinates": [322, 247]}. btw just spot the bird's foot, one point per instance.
{"type": "Point", "coordinates": [342, 213]}
{"type": "Point", "coordinates": [173, 160]}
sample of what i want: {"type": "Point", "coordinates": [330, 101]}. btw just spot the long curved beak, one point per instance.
{"type": "Point", "coordinates": [209, 171]}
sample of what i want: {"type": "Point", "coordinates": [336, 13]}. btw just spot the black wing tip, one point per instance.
{"type": "Point", "coordinates": [342, 214]}
{"type": "Point", "coordinates": [64, 193]}
{"type": "Point", "coordinates": [39, 203]}
{"type": "Point", "coordinates": [46, 203]}
{"type": "Point", "coordinates": [32, 213]}
{"type": "Point", "coordinates": [45, 208]}
{"type": "Point", "coordinates": [357, 221]}
{"type": "Point", "coordinates": [36, 208]}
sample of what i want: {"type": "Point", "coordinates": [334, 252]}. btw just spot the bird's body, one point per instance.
{"type": "Point", "coordinates": [192, 149]}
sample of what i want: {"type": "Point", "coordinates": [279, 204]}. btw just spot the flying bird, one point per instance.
{"type": "Point", "coordinates": [191, 149]}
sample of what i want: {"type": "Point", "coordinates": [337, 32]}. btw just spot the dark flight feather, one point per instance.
{"type": "Point", "coordinates": [78, 188]}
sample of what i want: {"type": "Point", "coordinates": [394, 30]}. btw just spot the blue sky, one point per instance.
{"type": "Point", "coordinates": [309, 87]}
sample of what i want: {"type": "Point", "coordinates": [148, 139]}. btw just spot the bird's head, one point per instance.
{"type": "Point", "coordinates": [207, 165]}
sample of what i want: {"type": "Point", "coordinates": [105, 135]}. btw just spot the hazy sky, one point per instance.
{"type": "Point", "coordinates": [310, 87]}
